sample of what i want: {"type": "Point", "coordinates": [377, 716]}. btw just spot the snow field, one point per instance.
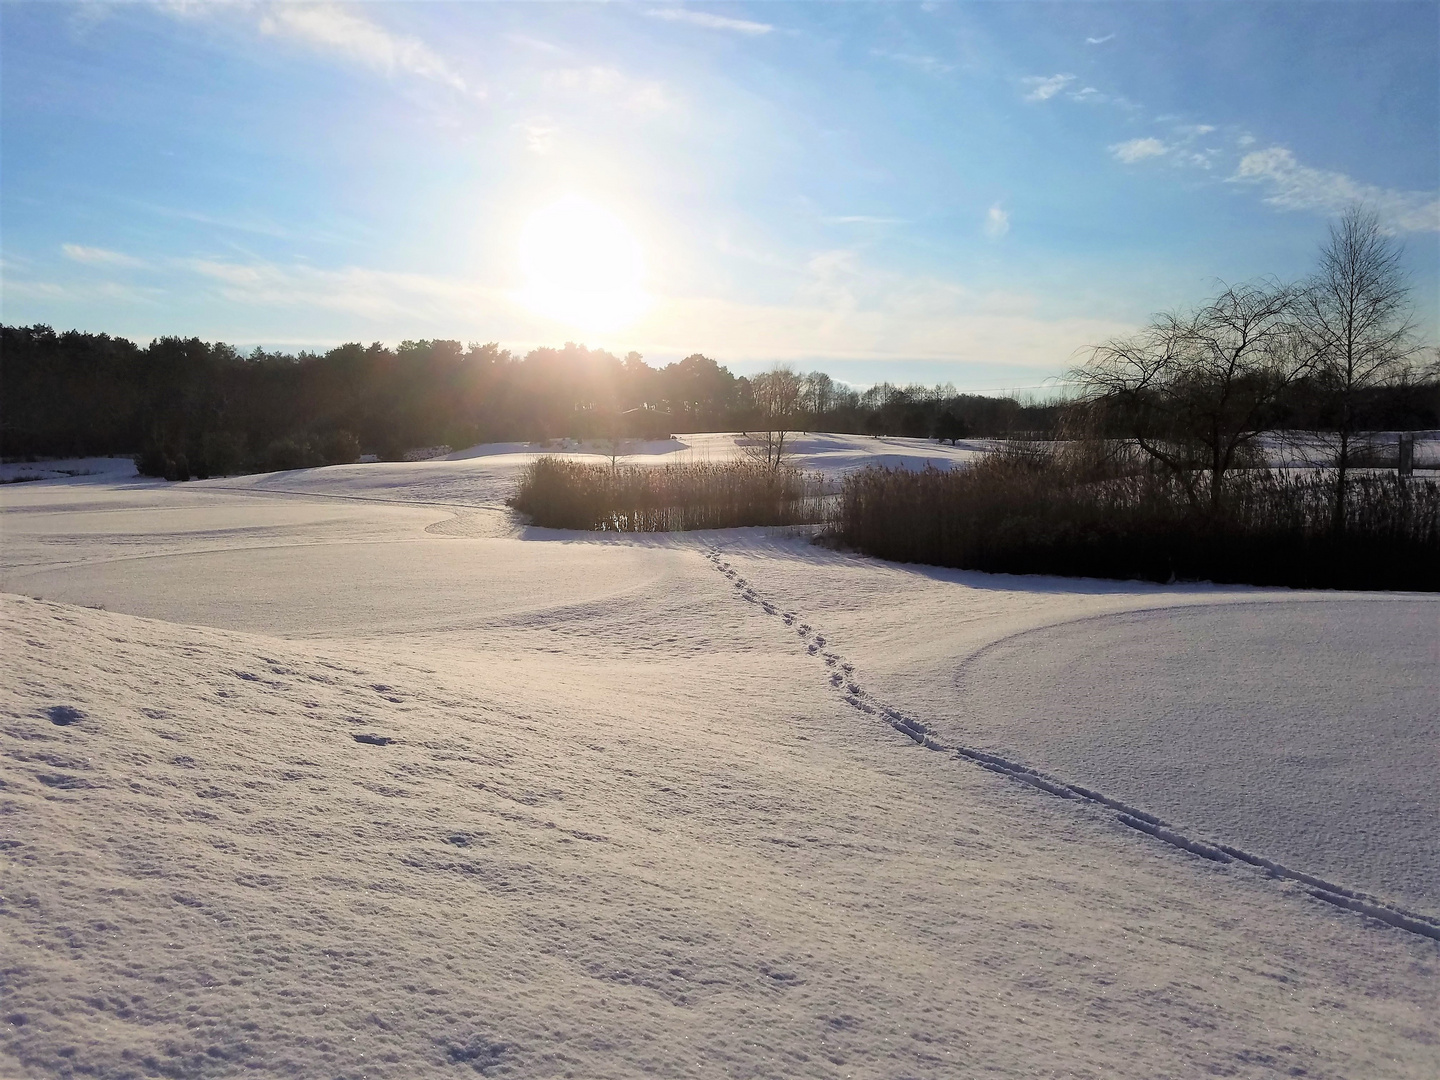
{"type": "Point", "coordinates": [1297, 725]}
{"type": "Point", "coordinates": [101, 469]}
{"type": "Point", "coordinates": [1283, 807]}
{"type": "Point", "coordinates": [620, 818]}
{"type": "Point", "coordinates": [208, 873]}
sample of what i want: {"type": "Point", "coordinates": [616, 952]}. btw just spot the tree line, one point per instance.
{"type": "Point", "coordinates": [211, 410]}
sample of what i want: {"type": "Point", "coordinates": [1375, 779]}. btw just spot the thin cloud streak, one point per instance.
{"type": "Point", "coordinates": [1045, 87]}
{"type": "Point", "coordinates": [95, 256]}
{"type": "Point", "coordinates": [610, 82]}
{"type": "Point", "coordinates": [342, 30]}
{"type": "Point", "coordinates": [711, 22]}
{"type": "Point", "coordinates": [930, 64]}
{"type": "Point", "coordinates": [339, 31]}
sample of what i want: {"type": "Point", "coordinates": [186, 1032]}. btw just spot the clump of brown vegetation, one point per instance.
{"type": "Point", "coordinates": [1101, 510]}
{"type": "Point", "coordinates": [564, 494]}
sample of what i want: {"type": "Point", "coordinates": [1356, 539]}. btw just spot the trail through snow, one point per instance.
{"type": "Point", "coordinates": [842, 678]}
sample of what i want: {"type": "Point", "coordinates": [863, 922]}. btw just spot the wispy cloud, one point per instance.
{"type": "Point", "coordinates": [997, 222]}
{"type": "Point", "coordinates": [357, 291]}
{"type": "Point", "coordinates": [1135, 150]}
{"type": "Point", "coordinates": [79, 292]}
{"type": "Point", "coordinates": [255, 226]}
{"type": "Point", "coordinates": [95, 256]}
{"type": "Point", "coordinates": [709, 21]}
{"type": "Point", "coordinates": [1090, 95]}
{"type": "Point", "coordinates": [21, 289]}
{"type": "Point", "coordinates": [929, 64]}
{"type": "Point", "coordinates": [343, 30]}
{"type": "Point", "coordinates": [597, 81]}
{"type": "Point", "coordinates": [538, 44]}
{"type": "Point", "coordinates": [539, 135]}
{"type": "Point", "coordinates": [1293, 186]}
{"type": "Point", "coordinates": [1184, 146]}
{"type": "Point", "coordinates": [1099, 40]}
{"type": "Point", "coordinates": [1045, 87]}
{"type": "Point", "coordinates": [862, 219]}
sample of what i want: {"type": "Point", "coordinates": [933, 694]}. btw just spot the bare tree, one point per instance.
{"type": "Point", "coordinates": [817, 391]}
{"type": "Point", "coordinates": [1196, 391]}
{"type": "Point", "coordinates": [776, 394]}
{"type": "Point", "coordinates": [1428, 364]}
{"type": "Point", "coordinates": [613, 444]}
{"type": "Point", "coordinates": [1355, 314]}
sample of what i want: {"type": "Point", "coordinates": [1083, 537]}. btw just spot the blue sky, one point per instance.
{"type": "Point", "coordinates": [943, 192]}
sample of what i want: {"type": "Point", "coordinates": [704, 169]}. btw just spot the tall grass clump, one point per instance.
{"type": "Point", "coordinates": [562, 494]}
{"type": "Point", "coordinates": [1033, 511]}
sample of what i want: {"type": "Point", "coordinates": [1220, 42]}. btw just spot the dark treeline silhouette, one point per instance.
{"type": "Point", "coordinates": [189, 407]}
{"type": "Point", "coordinates": [209, 409]}
{"type": "Point", "coordinates": [76, 393]}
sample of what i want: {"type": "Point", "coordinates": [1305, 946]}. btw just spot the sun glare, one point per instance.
{"type": "Point", "coordinates": [582, 266]}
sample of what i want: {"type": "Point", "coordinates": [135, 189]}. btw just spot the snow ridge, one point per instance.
{"type": "Point", "coordinates": [841, 678]}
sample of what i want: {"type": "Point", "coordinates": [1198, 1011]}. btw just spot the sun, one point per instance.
{"type": "Point", "coordinates": [582, 266]}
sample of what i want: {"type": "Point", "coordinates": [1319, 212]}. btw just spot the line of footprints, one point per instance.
{"type": "Point", "coordinates": [842, 679]}
{"type": "Point", "coordinates": [841, 671]}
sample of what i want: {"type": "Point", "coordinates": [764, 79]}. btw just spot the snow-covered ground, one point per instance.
{"type": "Point", "coordinates": [101, 468]}
{"type": "Point", "coordinates": [625, 806]}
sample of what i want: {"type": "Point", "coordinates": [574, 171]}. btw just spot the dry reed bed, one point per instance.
{"type": "Point", "coordinates": [1041, 513]}
{"type": "Point", "coordinates": [564, 494]}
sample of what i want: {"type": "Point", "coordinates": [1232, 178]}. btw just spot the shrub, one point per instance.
{"type": "Point", "coordinates": [223, 452]}
{"type": "Point", "coordinates": [340, 448]}
{"type": "Point", "coordinates": [564, 494]}
{"type": "Point", "coordinates": [152, 461]}
{"type": "Point", "coordinates": [292, 453]}
{"type": "Point", "coordinates": [1038, 512]}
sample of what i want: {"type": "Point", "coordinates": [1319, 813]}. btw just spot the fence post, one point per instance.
{"type": "Point", "coordinates": [1405, 466]}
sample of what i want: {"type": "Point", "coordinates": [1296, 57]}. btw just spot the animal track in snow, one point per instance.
{"type": "Point", "coordinates": [1223, 854]}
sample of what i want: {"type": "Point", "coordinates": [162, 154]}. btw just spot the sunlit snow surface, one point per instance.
{"type": "Point", "coordinates": [620, 810]}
